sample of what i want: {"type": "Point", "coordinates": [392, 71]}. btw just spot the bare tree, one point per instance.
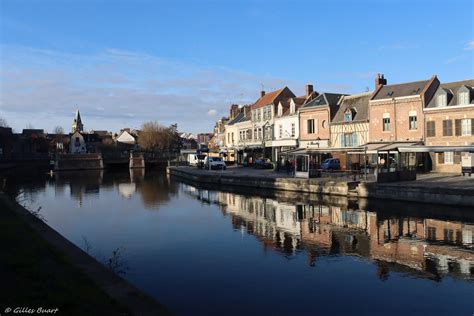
{"type": "Point", "coordinates": [154, 136]}
{"type": "Point", "coordinates": [3, 122]}
{"type": "Point", "coordinates": [58, 130]}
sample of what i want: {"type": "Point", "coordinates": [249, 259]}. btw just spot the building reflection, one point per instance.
{"type": "Point", "coordinates": [423, 247]}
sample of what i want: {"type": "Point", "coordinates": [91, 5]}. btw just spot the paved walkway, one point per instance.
{"type": "Point", "coordinates": [446, 180]}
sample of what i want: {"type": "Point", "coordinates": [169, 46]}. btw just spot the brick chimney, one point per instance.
{"type": "Point", "coordinates": [380, 81]}
{"type": "Point", "coordinates": [309, 89]}
{"type": "Point", "coordinates": [234, 111]}
{"type": "Point", "coordinates": [246, 110]}
{"type": "Point", "coordinates": [262, 93]}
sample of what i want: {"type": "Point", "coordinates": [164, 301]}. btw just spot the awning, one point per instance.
{"type": "Point", "coordinates": [435, 149]}
{"type": "Point", "coordinates": [373, 148]}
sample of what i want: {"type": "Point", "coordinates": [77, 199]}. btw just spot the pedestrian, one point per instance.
{"type": "Point", "coordinates": [292, 167]}
{"type": "Point", "coordinates": [288, 166]}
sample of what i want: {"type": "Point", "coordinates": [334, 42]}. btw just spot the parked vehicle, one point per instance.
{"type": "Point", "coordinates": [331, 164]}
{"type": "Point", "coordinates": [214, 162]}
{"type": "Point", "coordinates": [263, 164]}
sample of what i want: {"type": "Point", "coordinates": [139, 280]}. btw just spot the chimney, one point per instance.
{"type": "Point", "coordinates": [262, 93]}
{"type": "Point", "coordinates": [234, 111]}
{"type": "Point", "coordinates": [309, 89]}
{"type": "Point", "coordinates": [246, 110]}
{"type": "Point", "coordinates": [380, 81]}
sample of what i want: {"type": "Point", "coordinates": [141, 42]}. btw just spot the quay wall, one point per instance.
{"type": "Point", "coordinates": [286, 184]}
{"type": "Point", "coordinates": [425, 194]}
{"type": "Point", "coordinates": [413, 193]}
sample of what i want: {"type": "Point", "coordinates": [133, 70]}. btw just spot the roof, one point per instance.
{"type": "Point", "coordinates": [452, 89]}
{"type": "Point", "coordinates": [323, 100]}
{"type": "Point", "coordinates": [30, 132]}
{"type": "Point", "coordinates": [237, 119]}
{"type": "Point", "coordinates": [272, 97]}
{"type": "Point", "coordinates": [401, 90]}
{"type": "Point", "coordinates": [286, 106]}
{"type": "Point", "coordinates": [358, 104]}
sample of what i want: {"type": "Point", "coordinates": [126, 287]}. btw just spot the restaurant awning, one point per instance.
{"type": "Point", "coordinates": [373, 148]}
{"type": "Point", "coordinates": [435, 149]}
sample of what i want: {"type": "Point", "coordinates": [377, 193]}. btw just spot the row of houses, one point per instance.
{"type": "Point", "coordinates": [424, 124]}
{"type": "Point", "coordinates": [38, 144]}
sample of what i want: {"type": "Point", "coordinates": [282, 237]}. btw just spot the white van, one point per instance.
{"type": "Point", "coordinates": [215, 162]}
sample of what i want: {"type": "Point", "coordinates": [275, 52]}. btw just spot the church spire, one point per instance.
{"type": "Point", "coordinates": [77, 125]}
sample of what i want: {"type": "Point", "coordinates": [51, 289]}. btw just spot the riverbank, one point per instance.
{"type": "Point", "coordinates": [41, 269]}
{"type": "Point", "coordinates": [432, 188]}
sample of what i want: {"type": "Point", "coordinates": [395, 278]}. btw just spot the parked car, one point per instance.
{"type": "Point", "coordinates": [263, 164]}
{"type": "Point", "coordinates": [214, 162]}
{"type": "Point", "coordinates": [331, 164]}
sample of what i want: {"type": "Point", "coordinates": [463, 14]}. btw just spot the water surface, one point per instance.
{"type": "Point", "coordinates": [203, 250]}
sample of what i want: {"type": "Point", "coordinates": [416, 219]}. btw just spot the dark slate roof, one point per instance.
{"type": "Point", "coordinates": [452, 88]}
{"type": "Point", "coordinates": [401, 90]}
{"type": "Point", "coordinates": [237, 119]}
{"type": "Point", "coordinates": [325, 99]}
{"type": "Point", "coordinates": [30, 132]}
{"type": "Point", "coordinates": [358, 104]}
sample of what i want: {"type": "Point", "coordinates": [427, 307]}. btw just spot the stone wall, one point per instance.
{"type": "Point", "coordinates": [79, 162]}
{"type": "Point", "coordinates": [437, 195]}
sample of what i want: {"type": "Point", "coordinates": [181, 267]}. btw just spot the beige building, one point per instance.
{"type": "Point", "coordinates": [450, 123]}
{"type": "Point", "coordinates": [350, 128]}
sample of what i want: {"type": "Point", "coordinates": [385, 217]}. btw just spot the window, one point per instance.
{"type": "Point", "coordinates": [430, 129]}
{"type": "Point", "coordinates": [447, 128]}
{"type": "Point", "coordinates": [280, 130]}
{"type": "Point", "coordinates": [412, 119]}
{"type": "Point", "coordinates": [293, 129]}
{"type": "Point", "coordinates": [258, 114]}
{"type": "Point", "coordinates": [386, 124]}
{"type": "Point", "coordinates": [441, 100]}
{"type": "Point", "coordinates": [255, 135]}
{"type": "Point", "coordinates": [311, 126]}
{"type": "Point", "coordinates": [448, 158]}
{"type": "Point", "coordinates": [347, 140]}
{"type": "Point", "coordinates": [354, 140]}
{"type": "Point", "coordinates": [464, 97]}
{"type": "Point", "coordinates": [466, 127]}
{"type": "Point", "coordinates": [348, 116]}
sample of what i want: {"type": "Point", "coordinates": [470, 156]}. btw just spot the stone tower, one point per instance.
{"type": "Point", "coordinates": [77, 125]}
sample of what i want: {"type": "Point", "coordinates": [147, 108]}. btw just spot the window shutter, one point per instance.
{"type": "Point", "coordinates": [457, 127]}
{"type": "Point", "coordinates": [472, 127]}
{"type": "Point", "coordinates": [457, 158]}
{"type": "Point", "coordinates": [440, 157]}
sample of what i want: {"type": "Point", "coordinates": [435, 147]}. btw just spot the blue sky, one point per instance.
{"type": "Point", "coordinates": [126, 62]}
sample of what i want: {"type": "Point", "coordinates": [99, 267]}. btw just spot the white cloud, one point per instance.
{"type": "Point", "coordinates": [469, 45]}
{"type": "Point", "coordinates": [115, 89]}
{"type": "Point", "coordinates": [212, 112]}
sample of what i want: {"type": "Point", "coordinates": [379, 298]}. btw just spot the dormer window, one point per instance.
{"type": "Point", "coordinates": [463, 97]}
{"type": "Point", "coordinates": [348, 116]}
{"type": "Point", "coordinates": [441, 100]}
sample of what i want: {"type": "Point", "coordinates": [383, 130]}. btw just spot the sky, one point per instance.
{"type": "Point", "coordinates": [122, 63]}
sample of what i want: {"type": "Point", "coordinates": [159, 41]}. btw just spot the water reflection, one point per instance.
{"type": "Point", "coordinates": [423, 247]}
{"type": "Point", "coordinates": [221, 247]}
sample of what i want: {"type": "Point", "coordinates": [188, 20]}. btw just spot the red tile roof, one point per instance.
{"type": "Point", "coordinates": [271, 97]}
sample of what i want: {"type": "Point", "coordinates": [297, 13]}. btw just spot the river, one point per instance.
{"type": "Point", "coordinates": [230, 251]}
